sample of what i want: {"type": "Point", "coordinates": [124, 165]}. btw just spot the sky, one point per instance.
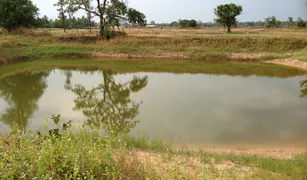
{"type": "Point", "coordinates": [202, 10]}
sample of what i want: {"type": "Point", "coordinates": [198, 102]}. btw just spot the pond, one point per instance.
{"type": "Point", "coordinates": [185, 108]}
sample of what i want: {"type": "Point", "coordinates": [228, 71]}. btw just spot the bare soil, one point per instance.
{"type": "Point", "coordinates": [290, 62]}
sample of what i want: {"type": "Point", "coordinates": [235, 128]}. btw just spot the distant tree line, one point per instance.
{"type": "Point", "coordinates": [16, 14]}
{"type": "Point", "coordinates": [270, 22]}
{"type": "Point", "coordinates": [73, 23]}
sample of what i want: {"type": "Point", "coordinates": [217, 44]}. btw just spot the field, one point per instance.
{"type": "Point", "coordinates": [64, 153]}
{"type": "Point", "coordinates": [201, 44]}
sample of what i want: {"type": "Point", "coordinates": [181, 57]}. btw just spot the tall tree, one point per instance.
{"type": "Point", "coordinates": [62, 9]}
{"type": "Point", "coordinates": [226, 14]}
{"type": "Point", "coordinates": [272, 22]}
{"type": "Point", "coordinates": [21, 92]}
{"type": "Point", "coordinates": [89, 16]}
{"type": "Point", "coordinates": [108, 11]}
{"type": "Point", "coordinates": [16, 14]}
{"type": "Point", "coordinates": [290, 21]}
{"type": "Point", "coordinates": [108, 105]}
{"type": "Point", "coordinates": [301, 23]}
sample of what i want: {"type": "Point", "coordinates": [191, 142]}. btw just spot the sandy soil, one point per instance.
{"type": "Point", "coordinates": [290, 62]}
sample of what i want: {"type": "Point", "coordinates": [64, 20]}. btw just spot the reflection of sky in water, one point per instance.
{"type": "Point", "coordinates": [196, 108]}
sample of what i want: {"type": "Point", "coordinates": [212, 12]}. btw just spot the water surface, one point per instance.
{"type": "Point", "coordinates": [187, 108]}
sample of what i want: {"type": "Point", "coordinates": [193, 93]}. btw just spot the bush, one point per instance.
{"type": "Point", "coordinates": [301, 23]}
{"type": "Point", "coordinates": [62, 154]}
{"type": "Point", "coordinates": [111, 33]}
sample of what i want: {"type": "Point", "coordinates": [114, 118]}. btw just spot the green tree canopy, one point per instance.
{"type": "Point", "coordinates": [301, 23]}
{"type": "Point", "coordinates": [272, 22]}
{"type": "Point", "coordinates": [63, 10]}
{"type": "Point", "coordinates": [16, 14]}
{"type": "Point", "coordinates": [135, 17]}
{"type": "Point", "coordinates": [226, 14]}
{"type": "Point", "coordinates": [187, 23]}
{"type": "Point", "coordinates": [109, 12]}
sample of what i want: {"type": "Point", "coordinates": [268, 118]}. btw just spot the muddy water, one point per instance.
{"type": "Point", "coordinates": [185, 108]}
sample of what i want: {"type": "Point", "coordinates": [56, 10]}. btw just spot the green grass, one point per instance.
{"type": "Point", "coordinates": [287, 168]}
{"type": "Point", "coordinates": [80, 153]}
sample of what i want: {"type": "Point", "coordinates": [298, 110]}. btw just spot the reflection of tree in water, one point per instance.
{"type": "Point", "coordinates": [304, 88]}
{"type": "Point", "coordinates": [21, 92]}
{"type": "Point", "coordinates": [108, 105]}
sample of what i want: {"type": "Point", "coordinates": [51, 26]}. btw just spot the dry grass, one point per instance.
{"type": "Point", "coordinates": [195, 44]}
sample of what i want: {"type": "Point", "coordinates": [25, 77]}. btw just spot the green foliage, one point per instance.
{"type": "Point", "coordinates": [301, 23]}
{"type": "Point", "coordinates": [61, 153]}
{"type": "Point", "coordinates": [174, 24]}
{"type": "Point", "coordinates": [293, 168]}
{"type": "Point", "coordinates": [63, 10]}
{"type": "Point", "coordinates": [272, 22]}
{"type": "Point", "coordinates": [17, 14]}
{"type": "Point", "coordinates": [110, 12]}
{"type": "Point", "coordinates": [226, 14]}
{"type": "Point", "coordinates": [136, 17]}
{"type": "Point", "coordinates": [187, 23]}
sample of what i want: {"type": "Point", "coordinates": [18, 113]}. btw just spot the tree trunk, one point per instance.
{"type": "Point", "coordinates": [63, 22]}
{"type": "Point", "coordinates": [102, 30]}
{"type": "Point", "coordinates": [228, 29]}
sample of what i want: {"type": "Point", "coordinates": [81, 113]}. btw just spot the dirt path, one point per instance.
{"type": "Point", "coordinates": [290, 62]}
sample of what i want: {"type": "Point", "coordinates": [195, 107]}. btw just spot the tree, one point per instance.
{"type": "Point", "coordinates": [188, 23]}
{"type": "Point", "coordinates": [272, 22]}
{"type": "Point", "coordinates": [174, 24]}
{"type": "Point", "coordinates": [109, 12]}
{"type": "Point", "coordinates": [16, 14]}
{"type": "Point", "coordinates": [135, 17]}
{"type": "Point", "coordinates": [226, 14]}
{"type": "Point", "coordinates": [192, 23]}
{"type": "Point", "coordinates": [108, 105]}
{"type": "Point", "coordinates": [63, 9]}
{"type": "Point", "coordinates": [290, 21]}
{"type": "Point", "coordinates": [89, 16]}
{"type": "Point", "coordinates": [301, 23]}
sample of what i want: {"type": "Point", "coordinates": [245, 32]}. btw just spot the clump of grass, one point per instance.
{"type": "Point", "coordinates": [62, 154]}
{"type": "Point", "coordinates": [294, 168]}
{"type": "Point", "coordinates": [144, 142]}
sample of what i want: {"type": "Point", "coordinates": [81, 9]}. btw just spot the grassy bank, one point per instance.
{"type": "Point", "coordinates": [160, 44]}
{"type": "Point", "coordinates": [231, 68]}
{"type": "Point", "coordinates": [84, 154]}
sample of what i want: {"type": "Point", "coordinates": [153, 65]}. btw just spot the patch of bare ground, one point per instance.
{"type": "Point", "coordinates": [250, 56]}
{"type": "Point", "coordinates": [175, 56]}
{"type": "Point", "coordinates": [290, 62]}
{"type": "Point", "coordinates": [170, 166]}
{"type": "Point", "coordinates": [138, 56]}
{"type": "Point", "coordinates": [280, 153]}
